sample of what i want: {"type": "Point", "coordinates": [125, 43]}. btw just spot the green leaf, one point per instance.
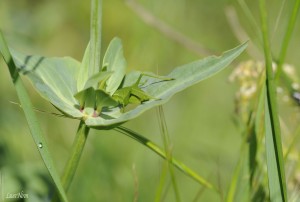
{"type": "Point", "coordinates": [84, 72]}
{"type": "Point", "coordinates": [93, 101]}
{"type": "Point", "coordinates": [54, 79]}
{"type": "Point", "coordinates": [32, 121]}
{"type": "Point", "coordinates": [104, 100]}
{"type": "Point", "coordinates": [273, 168]}
{"type": "Point", "coordinates": [96, 79]}
{"type": "Point", "coordinates": [275, 163]}
{"type": "Point", "coordinates": [114, 61]}
{"type": "Point", "coordinates": [184, 76]}
{"type": "Point", "coordinates": [87, 98]}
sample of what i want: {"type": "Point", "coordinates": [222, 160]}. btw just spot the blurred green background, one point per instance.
{"type": "Point", "coordinates": [200, 120]}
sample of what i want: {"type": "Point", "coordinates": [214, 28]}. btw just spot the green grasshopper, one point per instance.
{"type": "Point", "coordinates": [92, 101]}
{"type": "Point", "coordinates": [104, 89]}
{"type": "Point", "coordinates": [133, 94]}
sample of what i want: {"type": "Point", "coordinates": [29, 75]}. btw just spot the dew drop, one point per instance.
{"type": "Point", "coordinates": [40, 145]}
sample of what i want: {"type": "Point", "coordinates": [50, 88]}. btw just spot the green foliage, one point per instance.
{"type": "Point", "coordinates": [55, 79]}
{"type": "Point", "coordinates": [34, 127]}
{"type": "Point", "coordinates": [97, 95]}
{"type": "Point", "coordinates": [111, 93]}
{"type": "Point", "coordinates": [114, 61]}
{"type": "Point", "coordinates": [182, 167]}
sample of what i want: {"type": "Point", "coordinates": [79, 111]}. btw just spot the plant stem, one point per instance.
{"type": "Point", "coordinates": [287, 38]}
{"type": "Point", "coordinates": [95, 37]}
{"type": "Point", "coordinates": [271, 105]}
{"type": "Point", "coordinates": [76, 152]}
{"type": "Point", "coordinates": [152, 146]}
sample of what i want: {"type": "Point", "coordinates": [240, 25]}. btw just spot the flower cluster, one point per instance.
{"type": "Point", "coordinates": [249, 76]}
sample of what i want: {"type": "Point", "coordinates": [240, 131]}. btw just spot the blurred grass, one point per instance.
{"type": "Point", "coordinates": [200, 119]}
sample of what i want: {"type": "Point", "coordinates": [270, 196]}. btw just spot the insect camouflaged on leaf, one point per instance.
{"type": "Point", "coordinates": [105, 89]}
{"type": "Point", "coordinates": [92, 101]}
{"type": "Point", "coordinates": [134, 94]}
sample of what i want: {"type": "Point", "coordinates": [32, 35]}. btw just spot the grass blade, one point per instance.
{"type": "Point", "coordinates": [161, 184]}
{"type": "Point", "coordinates": [234, 181]}
{"type": "Point", "coordinates": [293, 143]}
{"type": "Point", "coordinates": [32, 121]}
{"type": "Point", "coordinates": [273, 171]}
{"type": "Point", "coordinates": [275, 164]}
{"type": "Point", "coordinates": [287, 38]}
{"type": "Point", "coordinates": [168, 149]}
{"type": "Point", "coordinates": [180, 166]}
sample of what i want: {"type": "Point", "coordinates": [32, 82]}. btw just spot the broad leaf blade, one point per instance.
{"type": "Point", "coordinates": [184, 76]}
{"type": "Point", "coordinates": [32, 121]}
{"type": "Point", "coordinates": [54, 79]}
{"type": "Point", "coordinates": [96, 78]}
{"type": "Point", "coordinates": [114, 61]}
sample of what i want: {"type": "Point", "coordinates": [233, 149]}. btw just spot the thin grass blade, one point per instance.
{"type": "Point", "coordinates": [275, 163]}
{"type": "Point", "coordinates": [273, 171]}
{"type": "Point", "coordinates": [287, 37]}
{"type": "Point", "coordinates": [180, 166]}
{"type": "Point", "coordinates": [168, 149]}
{"type": "Point", "coordinates": [32, 121]}
{"type": "Point", "coordinates": [234, 182]}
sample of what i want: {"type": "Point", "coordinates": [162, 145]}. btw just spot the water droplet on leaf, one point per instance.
{"type": "Point", "coordinates": [40, 145]}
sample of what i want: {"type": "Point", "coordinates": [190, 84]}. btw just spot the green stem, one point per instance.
{"type": "Point", "coordinates": [95, 37]}
{"type": "Point", "coordinates": [152, 146]}
{"type": "Point", "coordinates": [287, 38]}
{"type": "Point", "coordinates": [76, 152]}
{"type": "Point", "coordinates": [271, 103]}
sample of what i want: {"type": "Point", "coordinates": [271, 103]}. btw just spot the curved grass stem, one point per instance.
{"type": "Point", "coordinates": [180, 166]}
